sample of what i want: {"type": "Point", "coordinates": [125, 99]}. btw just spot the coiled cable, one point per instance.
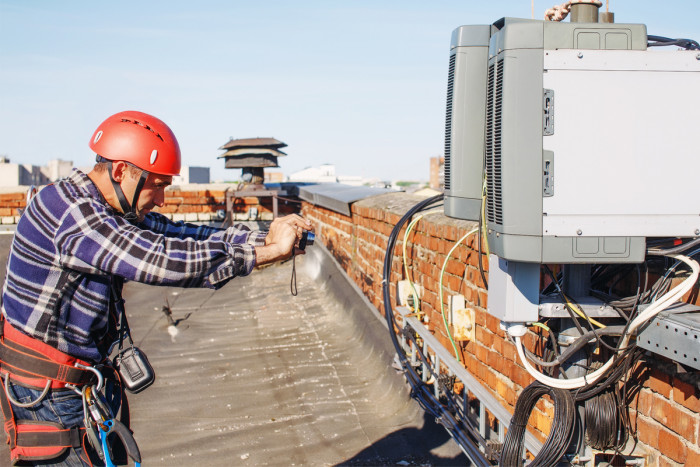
{"type": "Point", "coordinates": [560, 433]}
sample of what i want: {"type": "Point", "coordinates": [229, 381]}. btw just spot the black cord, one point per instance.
{"type": "Point", "coordinates": [560, 433]}
{"type": "Point", "coordinates": [446, 411]}
{"type": "Point", "coordinates": [658, 41]}
{"type": "Point", "coordinates": [293, 281]}
{"type": "Point", "coordinates": [577, 345]}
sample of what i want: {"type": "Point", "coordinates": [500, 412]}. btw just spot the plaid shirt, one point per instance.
{"type": "Point", "coordinates": [71, 245]}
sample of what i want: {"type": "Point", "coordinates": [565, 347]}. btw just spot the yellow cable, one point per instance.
{"type": "Point", "coordinates": [405, 265]}
{"type": "Point", "coordinates": [578, 311]}
{"type": "Point", "coordinates": [542, 325]}
{"type": "Point", "coordinates": [484, 223]}
{"type": "Point", "coordinates": [442, 305]}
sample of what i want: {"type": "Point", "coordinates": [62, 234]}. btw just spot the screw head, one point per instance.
{"type": "Point", "coordinates": [579, 232]}
{"type": "Point", "coordinates": [580, 55]}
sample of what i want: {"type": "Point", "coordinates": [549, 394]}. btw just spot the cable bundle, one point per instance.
{"type": "Point", "coordinates": [559, 435]}
{"type": "Point", "coordinates": [605, 428]}
{"type": "Point", "coordinates": [446, 410]}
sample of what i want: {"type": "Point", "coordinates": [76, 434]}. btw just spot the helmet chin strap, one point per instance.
{"type": "Point", "coordinates": [129, 209]}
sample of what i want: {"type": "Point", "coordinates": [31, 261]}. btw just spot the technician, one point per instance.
{"type": "Point", "coordinates": [78, 240]}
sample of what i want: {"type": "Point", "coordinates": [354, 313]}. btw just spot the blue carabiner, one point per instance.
{"type": "Point", "coordinates": [127, 438]}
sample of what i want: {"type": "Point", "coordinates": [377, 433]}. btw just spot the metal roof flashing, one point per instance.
{"type": "Point", "coordinates": [337, 196]}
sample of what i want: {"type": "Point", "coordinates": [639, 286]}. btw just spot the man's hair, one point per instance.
{"type": "Point", "coordinates": [133, 171]}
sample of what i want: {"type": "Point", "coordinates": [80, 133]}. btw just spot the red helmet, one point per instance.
{"type": "Point", "coordinates": [140, 139]}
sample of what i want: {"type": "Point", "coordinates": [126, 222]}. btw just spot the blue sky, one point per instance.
{"type": "Point", "coordinates": [359, 84]}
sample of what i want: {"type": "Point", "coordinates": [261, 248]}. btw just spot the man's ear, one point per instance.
{"type": "Point", "coordinates": [119, 171]}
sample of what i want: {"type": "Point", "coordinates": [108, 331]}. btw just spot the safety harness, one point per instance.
{"type": "Point", "coordinates": [32, 363]}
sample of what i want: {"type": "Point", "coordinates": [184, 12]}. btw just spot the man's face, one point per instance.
{"type": "Point", "coordinates": [152, 193]}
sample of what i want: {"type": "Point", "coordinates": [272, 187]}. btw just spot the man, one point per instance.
{"type": "Point", "coordinates": [76, 243]}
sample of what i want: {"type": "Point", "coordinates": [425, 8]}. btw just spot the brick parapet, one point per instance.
{"type": "Point", "coordinates": [192, 203]}
{"type": "Point", "coordinates": [668, 402]}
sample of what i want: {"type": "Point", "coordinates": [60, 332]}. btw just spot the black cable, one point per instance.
{"type": "Point", "coordinates": [675, 250]}
{"type": "Point", "coordinates": [605, 428]}
{"type": "Point", "coordinates": [659, 41]}
{"type": "Point", "coordinates": [293, 280]}
{"type": "Point", "coordinates": [560, 434]}
{"type": "Point", "coordinates": [568, 308]}
{"type": "Point", "coordinates": [422, 392]}
{"type": "Point", "coordinates": [578, 344]}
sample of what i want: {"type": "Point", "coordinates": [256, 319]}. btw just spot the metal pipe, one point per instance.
{"type": "Point", "coordinates": [607, 17]}
{"type": "Point", "coordinates": [584, 12]}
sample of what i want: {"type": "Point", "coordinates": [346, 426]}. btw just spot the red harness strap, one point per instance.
{"type": "Point", "coordinates": [33, 363]}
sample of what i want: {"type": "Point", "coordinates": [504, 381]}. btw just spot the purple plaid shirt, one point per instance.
{"type": "Point", "coordinates": [70, 245]}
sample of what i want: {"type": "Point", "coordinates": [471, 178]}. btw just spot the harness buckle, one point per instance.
{"type": "Point", "coordinates": [98, 373]}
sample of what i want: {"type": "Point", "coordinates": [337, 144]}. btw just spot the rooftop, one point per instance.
{"type": "Point", "coordinates": [251, 375]}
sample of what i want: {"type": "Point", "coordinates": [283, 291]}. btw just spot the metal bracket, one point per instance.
{"type": "Point", "coordinates": [675, 334]}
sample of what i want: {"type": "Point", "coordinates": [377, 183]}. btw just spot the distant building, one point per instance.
{"type": "Point", "coordinates": [274, 177]}
{"type": "Point", "coordinates": [324, 173]}
{"type": "Point", "coordinates": [12, 174]}
{"type": "Point", "coordinates": [191, 175]}
{"type": "Point", "coordinates": [437, 173]}
{"type": "Point", "coordinates": [57, 169]}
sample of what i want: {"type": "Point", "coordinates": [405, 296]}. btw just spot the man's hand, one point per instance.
{"type": "Point", "coordinates": [285, 233]}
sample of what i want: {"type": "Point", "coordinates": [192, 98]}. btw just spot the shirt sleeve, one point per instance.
{"type": "Point", "coordinates": [237, 233]}
{"type": "Point", "coordinates": [92, 240]}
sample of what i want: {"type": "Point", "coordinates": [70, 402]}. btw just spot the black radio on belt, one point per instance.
{"type": "Point", "coordinates": [134, 368]}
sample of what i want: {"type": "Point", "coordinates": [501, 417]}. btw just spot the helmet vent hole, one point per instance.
{"type": "Point", "coordinates": [143, 125]}
{"type": "Point", "coordinates": [154, 155]}
{"type": "Point", "coordinates": [98, 135]}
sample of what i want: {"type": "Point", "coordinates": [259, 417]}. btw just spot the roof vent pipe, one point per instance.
{"type": "Point", "coordinates": [607, 16]}
{"type": "Point", "coordinates": [585, 11]}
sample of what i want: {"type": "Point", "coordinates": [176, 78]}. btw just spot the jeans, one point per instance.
{"type": "Point", "coordinates": [63, 406]}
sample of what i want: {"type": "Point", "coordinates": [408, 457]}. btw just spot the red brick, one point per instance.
{"type": "Point", "coordinates": [173, 200]}
{"type": "Point", "coordinates": [493, 324]}
{"type": "Point", "coordinates": [660, 409]}
{"type": "Point", "coordinates": [693, 457]}
{"type": "Point", "coordinates": [648, 432]}
{"type": "Point", "coordinates": [683, 423]}
{"type": "Point", "coordinates": [643, 402]}
{"type": "Point", "coordinates": [502, 389]}
{"type": "Point", "coordinates": [12, 196]}
{"type": "Point", "coordinates": [671, 446]}
{"type": "Point", "coordinates": [483, 336]}
{"type": "Point", "coordinates": [686, 395]}
{"type": "Point", "coordinates": [660, 382]}
{"type": "Point", "coordinates": [166, 209]}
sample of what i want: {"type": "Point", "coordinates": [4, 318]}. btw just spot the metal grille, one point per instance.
{"type": "Point", "coordinates": [448, 120]}
{"type": "Point", "coordinates": [494, 206]}
{"type": "Point", "coordinates": [489, 142]}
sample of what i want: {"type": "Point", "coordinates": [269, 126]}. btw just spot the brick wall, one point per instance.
{"type": "Point", "coordinates": [192, 203]}
{"type": "Point", "coordinates": [11, 202]}
{"type": "Point", "coordinates": [666, 409]}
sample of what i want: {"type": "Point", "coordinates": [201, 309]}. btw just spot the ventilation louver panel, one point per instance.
{"type": "Point", "coordinates": [489, 143]}
{"type": "Point", "coordinates": [494, 108]}
{"type": "Point", "coordinates": [448, 120]}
